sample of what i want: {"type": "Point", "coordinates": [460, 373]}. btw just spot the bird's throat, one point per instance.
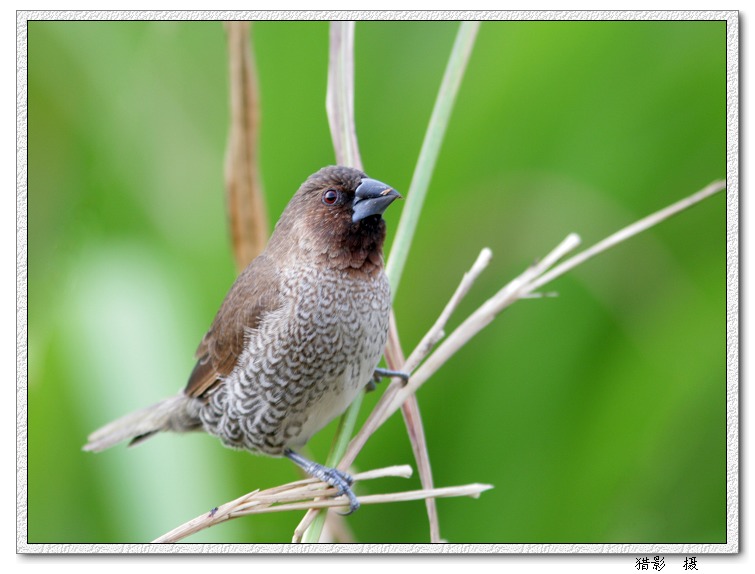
{"type": "Point", "coordinates": [361, 248]}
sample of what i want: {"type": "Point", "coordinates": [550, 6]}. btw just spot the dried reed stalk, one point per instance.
{"type": "Point", "coordinates": [246, 206]}
{"type": "Point", "coordinates": [306, 494]}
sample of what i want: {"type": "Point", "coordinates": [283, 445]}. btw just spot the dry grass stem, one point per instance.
{"type": "Point", "coordinates": [306, 494]}
{"type": "Point", "coordinates": [246, 206]}
{"type": "Point", "coordinates": [259, 501]}
{"type": "Point", "coordinates": [471, 490]}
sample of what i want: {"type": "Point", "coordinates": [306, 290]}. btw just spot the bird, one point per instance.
{"type": "Point", "coordinates": [299, 334]}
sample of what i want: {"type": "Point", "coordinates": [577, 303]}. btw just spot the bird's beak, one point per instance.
{"type": "Point", "coordinates": [372, 197]}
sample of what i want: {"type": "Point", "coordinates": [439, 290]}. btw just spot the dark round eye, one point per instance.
{"type": "Point", "coordinates": [329, 197]}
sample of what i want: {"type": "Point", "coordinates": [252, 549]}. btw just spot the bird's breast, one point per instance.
{"type": "Point", "coordinates": [305, 362]}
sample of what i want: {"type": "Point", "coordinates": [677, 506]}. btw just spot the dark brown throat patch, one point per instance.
{"type": "Point", "coordinates": [360, 248]}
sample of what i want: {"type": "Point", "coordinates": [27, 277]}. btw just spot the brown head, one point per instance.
{"type": "Point", "coordinates": [336, 218]}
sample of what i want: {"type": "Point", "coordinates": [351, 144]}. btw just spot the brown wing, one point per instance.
{"type": "Point", "coordinates": [255, 293]}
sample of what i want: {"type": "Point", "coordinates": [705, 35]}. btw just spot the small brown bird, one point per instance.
{"type": "Point", "coordinates": [299, 334]}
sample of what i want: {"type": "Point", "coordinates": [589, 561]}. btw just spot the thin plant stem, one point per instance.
{"type": "Point", "coordinates": [308, 490]}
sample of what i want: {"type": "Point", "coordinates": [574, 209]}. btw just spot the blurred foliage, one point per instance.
{"type": "Point", "coordinates": [599, 415]}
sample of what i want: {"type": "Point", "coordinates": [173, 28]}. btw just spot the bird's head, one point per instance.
{"type": "Point", "coordinates": [337, 215]}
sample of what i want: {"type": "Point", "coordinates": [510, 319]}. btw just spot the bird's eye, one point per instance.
{"type": "Point", "coordinates": [329, 197]}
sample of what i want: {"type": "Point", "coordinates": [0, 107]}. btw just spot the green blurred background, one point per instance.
{"type": "Point", "coordinates": [599, 416]}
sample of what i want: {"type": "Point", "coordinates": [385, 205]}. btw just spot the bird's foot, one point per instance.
{"type": "Point", "coordinates": [338, 479]}
{"type": "Point", "coordinates": [381, 374]}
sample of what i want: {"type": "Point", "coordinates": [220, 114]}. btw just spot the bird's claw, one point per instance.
{"type": "Point", "coordinates": [353, 502]}
{"type": "Point", "coordinates": [342, 482]}
{"type": "Point", "coordinates": [338, 479]}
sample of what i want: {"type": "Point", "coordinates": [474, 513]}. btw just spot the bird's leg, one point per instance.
{"type": "Point", "coordinates": [338, 479]}
{"type": "Point", "coordinates": [380, 374]}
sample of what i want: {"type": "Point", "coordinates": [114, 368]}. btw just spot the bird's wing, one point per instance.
{"type": "Point", "coordinates": [254, 294]}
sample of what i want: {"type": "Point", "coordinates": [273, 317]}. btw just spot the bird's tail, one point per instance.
{"type": "Point", "coordinates": [171, 414]}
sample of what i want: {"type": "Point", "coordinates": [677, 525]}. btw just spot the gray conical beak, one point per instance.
{"type": "Point", "coordinates": [372, 197]}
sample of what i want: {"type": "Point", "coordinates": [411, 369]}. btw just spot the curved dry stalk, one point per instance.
{"type": "Point", "coordinates": [309, 493]}
{"type": "Point", "coordinates": [471, 490]}
{"type": "Point", "coordinates": [307, 488]}
{"type": "Point", "coordinates": [246, 206]}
